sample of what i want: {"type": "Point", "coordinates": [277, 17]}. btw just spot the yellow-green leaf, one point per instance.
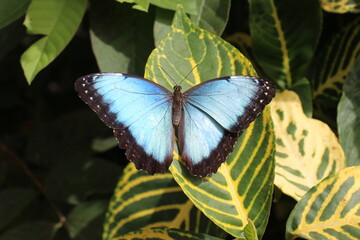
{"type": "Point", "coordinates": [341, 6]}
{"type": "Point", "coordinates": [58, 20]}
{"type": "Point", "coordinates": [145, 201]}
{"type": "Point", "coordinates": [242, 188]}
{"type": "Point", "coordinates": [330, 210]}
{"type": "Point", "coordinates": [333, 64]}
{"type": "Point", "coordinates": [284, 35]}
{"type": "Point", "coordinates": [306, 149]}
{"type": "Point", "coordinates": [166, 234]}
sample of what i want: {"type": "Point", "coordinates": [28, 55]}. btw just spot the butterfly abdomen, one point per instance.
{"type": "Point", "coordinates": [177, 106]}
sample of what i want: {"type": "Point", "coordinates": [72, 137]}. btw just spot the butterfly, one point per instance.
{"type": "Point", "coordinates": [146, 117]}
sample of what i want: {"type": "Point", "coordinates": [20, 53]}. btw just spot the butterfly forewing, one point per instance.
{"type": "Point", "coordinates": [138, 110]}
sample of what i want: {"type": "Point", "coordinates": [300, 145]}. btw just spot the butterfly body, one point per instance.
{"type": "Point", "coordinates": [145, 116]}
{"type": "Point", "coordinates": [177, 105]}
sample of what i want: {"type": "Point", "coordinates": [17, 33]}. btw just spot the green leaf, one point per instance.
{"type": "Point", "coordinates": [121, 39]}
{"type": "Point", "coordinates": [307, 150]}
{"type": "Point", "coordinates": [104, 144]}
{"type": "Point", "coordinates": [190, 6]}
{"type": "Point", "coordinates": [71, 137]}
{"type": "Point", "coordinates": [74, 181]}
{"type": "Point", "coordinates": [83, 215]}
{"type": "Point", "coordinates": [303, 89]}
{"type": "Point", "coordinates": [166, 234]}
{"type": "Point", "coordinates": [12, 10]}
{"type": "Point", "coordinates": [284, 35]}
{"type": "Point", "coordinates": [141, 5]}
{"type": "Point", "coordinates": [330, 210]}
{"type": "Point", "coordinates": [144, 201]}
{"type": "Point", "coordinates": [348, 118]}
{"type": "Point", "coordinates": [163, 20]}
{"type": "Point", "coordinates": [35, 230]}
{"type": "Point", "coordinates": [58, 20]}
{"type": "Point", "coordinates": [212, 15]}
{"type": "Point", "coordinates": [242, 188]}
{"type": "Point", "coordinates": [250, 231]}
{"type": "Point", "coordinates": [13, 202]}
{"type": "Point", "coordinates": [341, 6]}
{"type": "Point", "coordinates": [333, 63]}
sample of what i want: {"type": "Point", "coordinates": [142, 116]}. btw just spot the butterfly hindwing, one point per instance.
{"type": "Point", "coordinates": [138, 111]}
{"type": "Point", "coordinates": [214, 113]}
{"type": "Point", "coordinates": [199, 139]}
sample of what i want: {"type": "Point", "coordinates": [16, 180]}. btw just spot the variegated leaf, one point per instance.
{"type": "Point", "coordinates": [145, 201]}
{"type": "Point", "coordinates": [284, 35]}
{"type": "Point", "coordinates": [333, 64]}
{"type": "Point", "coordinates": [165, 234]}
{"type": "Point", "coordinates": [330, 210]}
{"type": "Point", "coordinates": [306, 149]}
{"type": "Point", "coordinates": [242, 188]}
{"type": "Point", "coordinates": [341, 6]}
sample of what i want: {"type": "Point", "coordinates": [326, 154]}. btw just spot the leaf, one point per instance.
{"type": "Point", "coordinates": [190, 6]}
{"type": "Point", "coordinates": [13, 202]}
{"type": "Point", "coordinates": [283, 53]}
{"type": "Point", "coordinates": [306, 149]}
{"type": "Point", "coordinates": [242, 188]}
{"type": "Point", "coordinates": [163, 19]}
{"type": "Point", "coordinates": [141, 5]}
{"type": "Point", "coordinates": [12, 10]}
{"type": "Point", "coordinates": [74, 181]}
{"type": "Point", "coordinates": [67, 138]}
{"type": "Point", "coordinates": [330, 210]}
{"type": "Point", "coordinates": [166, 234]}
{"type": "Point", "coordinates": [250, 231]}
{"type": "Point", "coordinates": [35, 230]}
{"type": "Point", "coordinates": [212, 15]}
{"type": "Point", "coordinates": [58, 20]}
{"type": "Point", "coordinates": [121, 38]}
{"type": "Point", "coordinates": [146, 201]}
{"type": "Point", "coordinates": [83, 214]}
{"type": "Point", "coordinates": [104, 144]}
{"type": "Point", "coordinates": [341, 6]}
{"type": "Point", "coordinates": [303, 89]}
{"type": "Point", "coordinates": [348, 118]}
{"type": "Point", "coordinates": [333, 64]}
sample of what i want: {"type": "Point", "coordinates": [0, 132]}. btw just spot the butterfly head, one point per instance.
{"type": "Point", "coordinates": [177, 88]}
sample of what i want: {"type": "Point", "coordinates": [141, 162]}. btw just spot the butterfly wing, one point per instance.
{"type": "Point", "coordinates": [214, 112]}
{"type": "Point", "coordinates": [138, 111]}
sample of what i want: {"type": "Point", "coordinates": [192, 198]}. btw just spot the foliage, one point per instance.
{"type": "Point", "coordinates": [62, 176]}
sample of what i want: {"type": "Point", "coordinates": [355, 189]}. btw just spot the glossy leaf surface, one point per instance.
{"type": "Point", "coordinates": [330, 210]}
{"type": "Point", "coordinates": [333, 63]}
{"type": "Point", "coordinates": [283, 53]}
{"type": "Point", "coordinates": [341, 6]}
{"type": "Point", "coordinates": [165, 234]}
{"type": "Point", "coordinates": [146, 201]}
{"type": "Point", "coordinates": [349, 116]}
{"type": "Point", "coordinates": [306, 149]}
{"type": "Point", "coordinates": [58, 20]}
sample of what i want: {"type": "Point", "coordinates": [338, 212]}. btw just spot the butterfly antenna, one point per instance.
{"type": "Point", "coordinates": [167, 74]}
{"type": "Point", "coordinates": [188, 74]}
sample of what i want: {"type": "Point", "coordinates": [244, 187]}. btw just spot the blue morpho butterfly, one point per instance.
{"type": "Point", "coordinates": [144, 117]}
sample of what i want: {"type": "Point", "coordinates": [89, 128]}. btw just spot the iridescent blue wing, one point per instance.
{"type": "Point", "coordinates": [214, 113]}
{"type": "Point", "coordinates": [138, 111]}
